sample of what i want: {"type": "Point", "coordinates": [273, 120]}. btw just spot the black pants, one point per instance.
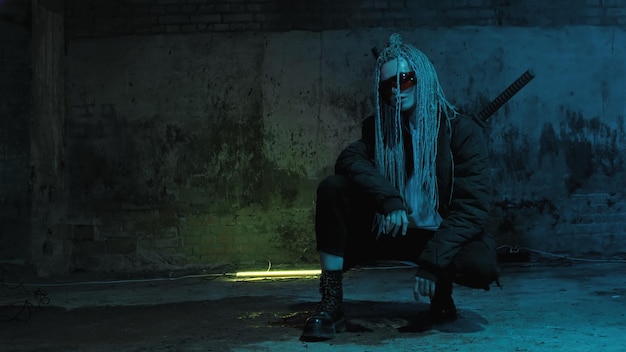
{"type": "Point", "coordinates": [343, 226]}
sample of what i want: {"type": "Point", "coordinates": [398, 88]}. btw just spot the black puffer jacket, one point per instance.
{"type": "Point", "coordinates": [463, 180]}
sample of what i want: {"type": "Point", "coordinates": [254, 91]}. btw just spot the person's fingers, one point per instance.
{"type": "Point", "coordinates": [421, 286]}
{"type": "Point", "coordinates": [387, 224]}
{"type": "Point", "coordinates": [405, 223]}
{"type": "Point", "coordinates": [393, 224]}
{"type": "Point", "coordinates": [394, 230]}
{"type": "Point", "coordinates": [430, 288]}
{"type": "Point", "coordinates": [405, 226]}
{"type": "Point", "coordinates": [396, 223]}
{"type": "Point", "coordinates": [426, 287]}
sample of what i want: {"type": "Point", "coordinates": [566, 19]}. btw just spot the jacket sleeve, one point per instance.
{"type": "Point", "coordinates": [470, 200]}
{"type": "Point", "coordinates": [356, 162]}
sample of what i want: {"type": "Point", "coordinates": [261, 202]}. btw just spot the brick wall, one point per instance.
{"type": "Point", "coordinates": [156, 238]}
{"type": "Point", "coordinates": [94, 18]}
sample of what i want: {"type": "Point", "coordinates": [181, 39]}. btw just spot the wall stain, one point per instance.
{"type": "Point", "coordinates": [548, 142]}
{"type": "Point", "coordinates": [226, 163]}
{"type": "Point", "coordinates": [296, 236]}
{"type": "Point", "coordinates": [516, 154]}
{"type": "Point", "coordinates": [356, 109]}
{"type": "Point", "coordinates": [591, 148]}
{"type": "Point", "coordinates": [509, 220]}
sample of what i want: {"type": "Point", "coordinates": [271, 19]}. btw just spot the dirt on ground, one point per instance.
{"type": "Point", "coordinates": [211, 325]}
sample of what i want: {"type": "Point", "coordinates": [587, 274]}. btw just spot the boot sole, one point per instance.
{"type": "Point", "coordinates": [319, 332]}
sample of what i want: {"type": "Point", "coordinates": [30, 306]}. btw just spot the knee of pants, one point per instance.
{"type": "Point", "coordinates": [479, 274]}
{"type": "Point", "coordinates": [331, 186]}
{"type": "Point", "coordinates": [476, 266]}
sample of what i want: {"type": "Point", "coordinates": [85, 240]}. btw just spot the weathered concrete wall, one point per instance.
{"type": "Point", "coordinates": [223, 137]}
{"type": "Point", "coordinates": [15, 87]}
{"type": "Point", "coordinates": [557, 147]}
{"type": "Point", "coordinates": [166, 137]}
{"type": "Point", "coordinates": [95, 18]}
{"type": "Point", "coordinates": [195, 132]}
{"type": "Point", "coordinates": [47, 143]}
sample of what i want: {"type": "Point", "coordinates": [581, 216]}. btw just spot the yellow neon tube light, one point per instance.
{"type": "Point", "coordinates": [278, 273]}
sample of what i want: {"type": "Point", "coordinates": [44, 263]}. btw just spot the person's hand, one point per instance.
{"type": "Point", "coordinates": [396, 222]}
{"type": "Point", "coordinates": [423, 287]}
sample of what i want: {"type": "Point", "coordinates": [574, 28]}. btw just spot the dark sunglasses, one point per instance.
{"type": "Point", "coordinates": [407, 80]}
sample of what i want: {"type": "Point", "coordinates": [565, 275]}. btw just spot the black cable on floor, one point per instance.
{"type": "Point", "coordinates": [22, 310]}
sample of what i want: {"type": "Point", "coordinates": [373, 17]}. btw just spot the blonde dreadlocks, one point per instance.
{"type": "Point", "coordinates": [420, 189]}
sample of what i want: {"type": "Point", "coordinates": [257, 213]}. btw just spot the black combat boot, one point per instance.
{"type": "Point", "coordinates": [442, 308]}
{"type": "Point", "coordinates": [328, 317]}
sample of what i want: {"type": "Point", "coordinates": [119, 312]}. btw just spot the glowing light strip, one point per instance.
{"type": "Point", "coordinates": [278, 273]}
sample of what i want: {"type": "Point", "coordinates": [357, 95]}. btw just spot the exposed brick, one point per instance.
{"type": "Point", "coordinates": [230, 18]}
{"type": "Point", "coordinates": [189, 231]}
{"type": "Point", "coordinates": [237, 8]}
{"type": "Point", "coordinates": [145, 21]}
{"type": "Point", "coordinates": [205, 219]}
{"type": "Point", "coordinates": [64, 231]}
{"type": "Point", "coordinates": [254, 7]}
{"type": "Point", "coordinates": [479, 3]}
{"type": "Point", "coordinates": [189, 8]}
{"type": "Point", "coordinates": [206, 8]}
{"type": "Point", "coordinates": [224, 8]}
{"type": "Point", "coordinates": [213, 259]}
{"type": "Point", "coordinates": [192, 240]}
{"type": "Point", "coordinates": [206, 18]}
{"type": "Point", "coordinates": [172, 242]}
{"type": "Point", "coordinates": [614, 12]}
{"type": "Point", "coordinates": [121, 246]}
{"type": "Point", "coordinates": [83, 21]}
{"type": "Point", "coordinates": [200, 251]}
{"type": "Point", "coordinates": [169, 2]}
{"type": "Point", "coordinates": [173, 19]}
{"type": "Point", "coordinates": [224, 238]}
{"type": "Point", "coordinates": [380, 5]}
{"type": "Point", "coordinates": [265, 17]}
{"type": "Point", "coordinates": [231, 219]}
{"type": "Point", "coordinates": [169, 222]}
{"type": "Point", "coordinates": [91, 247]}
{"type": "Point", "coordinates": [83, 232]}
{"type": "Point", "coordinates": [158, 10]}
{"type": "Point", "coordinates": [139, 214]}
{"type": "Point", "coordinates": [141, 228]}
{"type": "Point", "coordinates": [173, 9]}
{"type": "Point", "coordinates": [188, 28]}
{"type": "Point", "coordinates": [168, 212]}
{"type": "Point", "coordinates": [167, 232]}
{"type": "Point", "coordinates": [86, 110]}
{"type": "Point", "coordinates": [187, 250]}
{"type": "Point", "coordinates": [470, 13]}
{"type": "Point", "coordinates": [245, 26]}
{"type": "Point", "coordinates": [613, 3]}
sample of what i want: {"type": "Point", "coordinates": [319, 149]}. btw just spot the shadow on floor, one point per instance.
{"type": "Point", "coordinates": [228, 321]}
{"type": "Point", "coordinates": [372, 323]}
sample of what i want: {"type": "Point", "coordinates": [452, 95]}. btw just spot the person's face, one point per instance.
{"type": "Point", "coordinates": [389, 87]}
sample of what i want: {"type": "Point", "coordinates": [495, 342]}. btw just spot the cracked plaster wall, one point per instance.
{"type": "Point", "coordinates": [243, 126]}
{"type": "Point", "coordinates": [205, 145]}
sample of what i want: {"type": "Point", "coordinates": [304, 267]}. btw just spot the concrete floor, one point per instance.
{"type": "Point", "coordinates": [542, 307]}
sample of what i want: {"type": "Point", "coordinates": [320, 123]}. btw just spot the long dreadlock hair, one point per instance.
{"type": "Point", "coordinates": [420, 190]}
